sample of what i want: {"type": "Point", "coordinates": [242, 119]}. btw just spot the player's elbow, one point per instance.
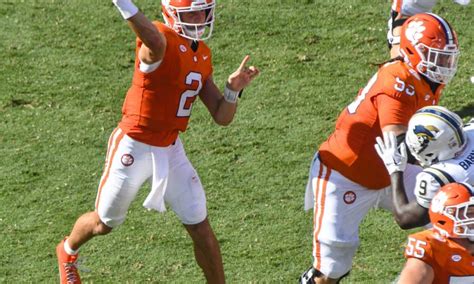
{"type": "Point", "coordinates": [222, 117]}
{"type": "Point", "coordinates": [404, 220]}
{"type": "Point", "coordinates": [411, 216]}
{"type": "Point", "coordinates": [158, 49]}
{"type": "Point", "coordinates": [407, 222]}
{"type": "Point", "coordinates": [156, 44]}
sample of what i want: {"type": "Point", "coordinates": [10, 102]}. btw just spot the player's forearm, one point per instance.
{"type": "Point", "coordinates": [143, 28]}
{"type": "Point", "coordinates": [401, 206]}
{"type": "Point", "coordinates": [147, 33]}
{"type": "Point", "coordinates": [225, 112]}
{"type": "Point", "coordinates": [408, 215]}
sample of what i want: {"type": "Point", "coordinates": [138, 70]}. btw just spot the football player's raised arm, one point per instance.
{"type": "Point", "coordinates": [407, 214]}
{"type": "Point", "coordinates": [154, 42]}
{"type": "Point", "coordinates": [416, 271]}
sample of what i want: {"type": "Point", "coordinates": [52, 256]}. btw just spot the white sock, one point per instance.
{"type": "Point", "coordinates": [68, 249]}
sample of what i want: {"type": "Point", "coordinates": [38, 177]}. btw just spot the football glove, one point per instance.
{"type": "Point", "coordinates": [394, 160]}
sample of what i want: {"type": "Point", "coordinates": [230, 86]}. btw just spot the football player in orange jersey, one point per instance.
{"type": "Point", "coordinates": [399, 13]}
{"type": "Point", "coordinates": [173, 66]}
{"type": "Point", "coordinates": [445, 253]}
{"type": "Point", "coordinates": [347, 178]}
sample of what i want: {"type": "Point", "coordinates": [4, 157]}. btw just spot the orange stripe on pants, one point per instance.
{"type": "Point", "coordinates": [320, 190]}
{"type": "Point", "coordinates": [109, 165]}
{"type": "Point", "coordinates": [316, 193]}
{"type": "Point", "coordinates": [109, 145]}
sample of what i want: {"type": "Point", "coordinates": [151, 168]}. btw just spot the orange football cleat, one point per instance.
{"type": "Point", "coordinates": [67, 263]}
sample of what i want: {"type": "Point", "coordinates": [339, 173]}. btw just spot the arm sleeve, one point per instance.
{"type": "Point", "coordinates": [393, 110]}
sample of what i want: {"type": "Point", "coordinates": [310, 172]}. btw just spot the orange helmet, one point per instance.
{"type": "Point", "coordinates": [430, 45]}
{"type": "Point", "coordinates": [173, 10]}
{"type": "Point", "coordinates": [452, 211]}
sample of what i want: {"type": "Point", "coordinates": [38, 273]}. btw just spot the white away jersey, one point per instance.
{"type": "Point", "coordinates": [459, 169]}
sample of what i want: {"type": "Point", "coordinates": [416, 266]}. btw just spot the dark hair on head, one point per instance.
{"type": "Point", "coordinates": [398, 58]}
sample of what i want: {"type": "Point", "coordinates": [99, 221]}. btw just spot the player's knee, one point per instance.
{"type": "Point", "coordinates": [194, 217]}
{"type": "Point", "coordinates": [101, 228]}
{"type": "Point", "coordinates": [201, 231]}
{"type": "Point", "coordinates": [199, 228]}
{"type": "Point", "coordinates": [337, 272]}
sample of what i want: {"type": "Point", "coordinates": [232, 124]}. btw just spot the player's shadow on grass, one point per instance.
{"type": "Point", "coordinates": [467, 110]}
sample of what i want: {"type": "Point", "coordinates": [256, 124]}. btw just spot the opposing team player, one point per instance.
{"type": "Point", "coordinates": [445, 253]}
{"type": "Point", "coordinates": [347, 178]}
{"type": "Point", "coordinates": [399, 13]}
{"type": "Point", "coordinates": [437, 139]}
{"type": "Point", "coordinates": [173, 66]}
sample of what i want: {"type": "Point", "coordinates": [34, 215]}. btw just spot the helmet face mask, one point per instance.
{"type": "Point", "coordinates": [464, 219]}
{"type": "Point", "coordinates": [430, 46]}
{"type": "Point", "coordinates": [452, 211]}
{"type": "Point", "coordinates": [435, 134]}
{"type": "Point", "coordinates": [438, 65]}
{"type": "Point", "coordinates": [175, 16]}
{"type": "Point", "coordinates": [462, 216]}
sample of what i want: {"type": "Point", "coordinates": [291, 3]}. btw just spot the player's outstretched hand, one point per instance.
{"type": "Point", "coordinates": [242, 77]}
{"type": "Point", "coordinates": [394, 160]}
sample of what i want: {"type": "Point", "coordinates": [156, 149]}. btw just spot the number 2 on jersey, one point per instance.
{"type": "Point", "coordinates": [188, 96]}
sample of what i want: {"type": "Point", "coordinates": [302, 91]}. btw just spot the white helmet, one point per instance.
{"type": "Point", "coordinates": [435, 134]}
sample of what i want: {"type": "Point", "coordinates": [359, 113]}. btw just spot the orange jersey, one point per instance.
{"type": "Point", "coordinates": [451, 262]}
{"type": "Point", "coordinates": [391, 97]}
{"type": "Point", "coordinates": [397, 5]}
{"type": "Point", "coordinates": [158, 104]}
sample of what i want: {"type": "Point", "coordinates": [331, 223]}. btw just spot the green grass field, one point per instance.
{"type": "Point", "coordinates": [65, 67]}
